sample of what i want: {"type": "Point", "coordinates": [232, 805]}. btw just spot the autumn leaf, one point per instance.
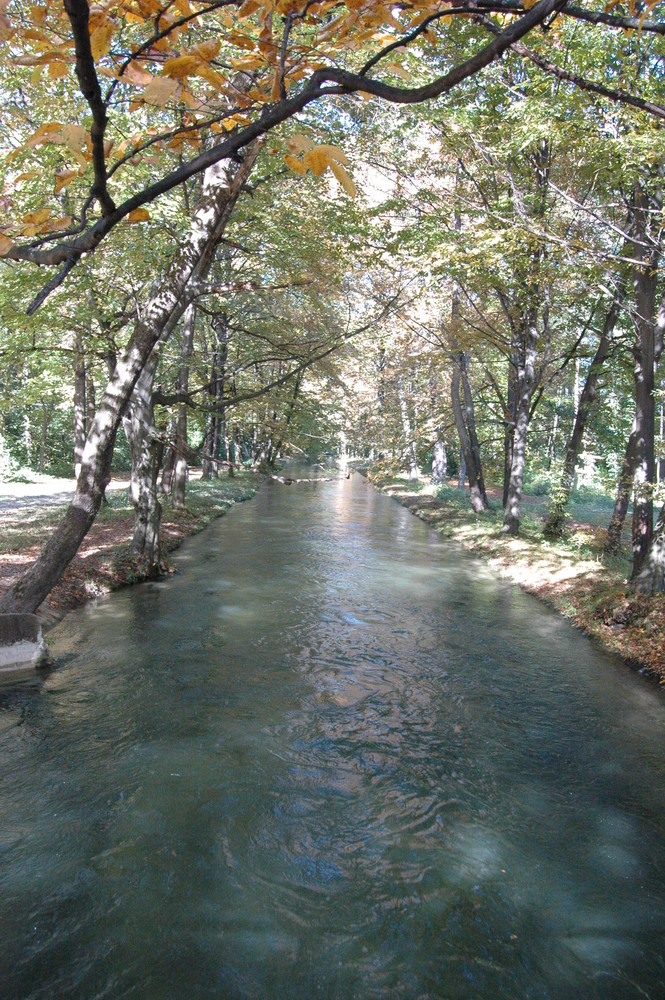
{"type": "Point", "coordinates": [100, 40]}
{"type": "Point", "coordinates": [5, 244]}
{"type": "Point", "coordinates": [343, 178]}
{"type": "Point", "coordinates": [317, 161]}
{"type": "Point", "coordinates": [37, 217]}
{"type": "Point", "coordinates": [139, 215]}
{"type": "Point", "coordinates": [63, 178]}
{"type": "Point", "coordinates": [296, 165]}
{"type": "Point", "coordinates": [159, 91]}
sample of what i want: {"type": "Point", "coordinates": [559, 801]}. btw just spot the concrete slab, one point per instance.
{"type": "Point", "coordinates": [22, 645]}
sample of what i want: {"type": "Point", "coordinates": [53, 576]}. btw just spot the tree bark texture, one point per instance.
{"type": "Point", "coordinates": [651, 577]}
{"type": "Point", "coordinates": [186, 348]}
{"type": "Point", "coordinates": [526, 379]}
{"type": "Point", "coordinates": [466, 433]}
{"type": "Point", "coordinates": [79, 407]}
{"type": "Point", "coordinates": [409, 430]}
{"type": "Point", "coordinates": [147, 452]}
{"type": "Point", "coordinates": [439, 461]}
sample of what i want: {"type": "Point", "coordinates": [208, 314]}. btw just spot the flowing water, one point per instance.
{"type": "Point", "coordinates": [331, 758]}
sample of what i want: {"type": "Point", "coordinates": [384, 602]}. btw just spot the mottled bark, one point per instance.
{"type": "Point", "coordinates": [439, 461]}
{"type": "Point", "coordinates": [409, 430]}
{"type": "Point", "coordinates": [79, 408]}
{"type": "Point", "coordinates": [509, 421]}
{"type": "Point", "coordinates": [147, 452]}
{"type": "Point", "coordinates": [526, 378]}
{"type": "Point", "coordinates": [623, 495]}
{"type": "Point", "coordinates": [186, 347]}
{"type": "Point", "coordinates": [465, 424]}
{"type": "Point", "coordinates": [651, 577]}
{"type": "Point", "coordinates": [644, 372]}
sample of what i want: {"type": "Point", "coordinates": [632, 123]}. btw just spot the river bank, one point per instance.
{"type": "Point", "coordinates": [103, 564]}
{"type": "Point", "coordinates": [572, 576]}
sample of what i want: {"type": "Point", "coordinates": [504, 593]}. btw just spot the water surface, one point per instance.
{"type": "Point", "coordinates": [331, 758]}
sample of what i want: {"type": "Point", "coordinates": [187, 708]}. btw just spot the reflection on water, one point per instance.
{"type": "Point", "coordinates": [330, 758]}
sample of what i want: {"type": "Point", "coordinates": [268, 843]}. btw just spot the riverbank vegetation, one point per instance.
{"type": "Point", "coordinates": [420, 234]}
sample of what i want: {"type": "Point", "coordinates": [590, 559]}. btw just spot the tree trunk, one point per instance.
{"type": "Point", "coordinates": [180, 473]}
{"type": "Point", "coordinates": [147, 452]}
{"type": "Point", "coordinates": [557, 514]}
{"type": "Point", "coordinates": [477, 493]}
{"type": "Point", "coordinates": [623, 494]}
{"type": "Point", "coordinates": [289, 416]}
{"type": "Point", "coordinates": [439, 461]}
{"type": "Point", "coordinates": [526, 378]}
{"type": "Point", "coordinates": [644, 373]}
{"type": "Point", "coordinates": [46, 421]}
{"type": "Point", "coordinates": [168, 465]}
{"type": "Point", "coordinates": [651, 577]}
{"type": "Point", "coordinates": [408, 427]}
{"type": "Point", "coordinates": [470, 422]}
{"type": "Point", "coordinates": [79, 407]}
{"type": "Point", "coordinates": [157, 320]}
{"type": "Point", "coordinates": [510, 419]}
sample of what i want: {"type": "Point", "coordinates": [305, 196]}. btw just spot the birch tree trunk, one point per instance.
{"type": "Point", "coordinates": [147, 452]}
{"type": "Point", "coordinates": [79, 407]}
{"type": "Point", "coordinates": [187, 346]}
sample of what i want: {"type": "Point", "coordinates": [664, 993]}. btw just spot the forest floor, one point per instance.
{"type": "Point", "coordinates": [572, 575]}
{"type": "Point", "coordinates": [102, 564]}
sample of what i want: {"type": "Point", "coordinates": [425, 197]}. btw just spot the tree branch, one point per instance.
{"type": "Point", "coordinates": [79, 16]}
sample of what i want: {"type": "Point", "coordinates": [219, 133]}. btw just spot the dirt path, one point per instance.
{"type": "Point", "coordinates": [45, 492]}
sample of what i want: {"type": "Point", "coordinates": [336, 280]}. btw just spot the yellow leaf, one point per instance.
{"type": "Point", "coordinates": [63, 178]}
{"type": "Point", "coordinates": [180, 66]}
{"type": "Point", "coordinates": [183, 7]}
{"type": "Point", "coordinates": [100, 40]}
{"type": "Point", "coordinates": [159, 91]}
{"type": "Point", "coordinates": [5, 244]}
{"type": "Point", "coordinates": [45, 133]}
{"type": "Point", "coordinates": [208, 50]}
{"type": "Point", "coordinates": [36, 218]}
{"type": "Point", "coordinates": [398, 70]}
{"type": "Point", "coordinates": [57, 69]}
{"type": "Point", "coordinates": [343, 178]}
{"type": "Point", "coordinates": [134, 74]}
{"type": "Point", "coordinates": [297, 166]}
{"type": "Point", "coordinates": [62, 222]}
{"type": "Point", "coordinates": [334, 153]}
{"type": "Point", "coordinates": [139, 215]}
{"type": "Point", "coordinates": [300, 143]}
{"type": "Point", "coordinates": [317, 161]}
{"type": "Point", "coordinates": [27, 175]}
{"type": "Point", "coordinates": [74, 136]}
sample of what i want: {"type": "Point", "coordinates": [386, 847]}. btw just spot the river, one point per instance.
{"type": "Point", "coordinates": [331, 757]}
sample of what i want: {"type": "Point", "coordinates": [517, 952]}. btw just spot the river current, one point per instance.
{"type": "Point", "coordinates": [331, 757]}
